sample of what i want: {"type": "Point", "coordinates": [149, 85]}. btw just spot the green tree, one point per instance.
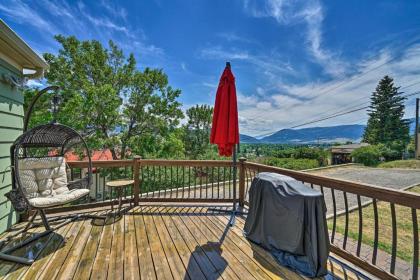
{"type": "Point", "coordinates": [197, 130]}
{"type": "Point", "coordinates": [151, 112]}
{"type": "Point", "coordinates": [112, 103]}
{"type": "Point", "coordinates": [386, 124]}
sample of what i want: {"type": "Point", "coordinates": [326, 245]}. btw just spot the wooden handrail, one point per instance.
{"type": "Point", "coordinates": [381, 193]}
{"type": "Point", "coordinates": [197, 163]}
{"type": "Point", "coordinates": [151, 162]}
{"type": "Point", "coordinates": [101, 163]}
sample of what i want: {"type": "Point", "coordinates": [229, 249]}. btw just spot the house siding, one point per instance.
{"type": "Point", "coordinates": [11, 126]}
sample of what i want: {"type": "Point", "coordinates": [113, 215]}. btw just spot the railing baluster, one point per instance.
{"type": "Point", "coordinates": [212, 182]}
{"type": "Point", "coordinates": [415, 244]}
{"type": "Point", "coordinates": [156, 179]}
{"type": "Point", "coordinates": [207, 181]}
{"type": "Point", "coordinates": [224, 182]}
{"type": "Point", "coordinates": [103, 188]}
{"type": "Point", "coordinates": [179, 183]}
{"type": "Point", "coordinates": [230, 182]}
{"type": "Point", "coordinates": [200, 176]}
{"type": "Point", "coordinates": [359, 236]}
{"type": "Point", "coordinates": [218, 182]}
{"type": "Point", "coordinates": [376, 231]}
{"type": "Point", "coordinates": [394, 238]}
{"type": "Point", "coordinates": [96, 183]}
{"type": "Point", "coordinates": [335, 215]}
{"type": "Point", "coordinates": [189, 182]}
{"type": "Point", "coordinates": [145, 180]}
{"type": "Point", "coordinates": [346, 226]}
{"type": "Point", "coordinates": [183, 181]}
{"type": "Point", "coordinates": [170, 186]}
{"type": "Point", "coordinates": [96, 188]}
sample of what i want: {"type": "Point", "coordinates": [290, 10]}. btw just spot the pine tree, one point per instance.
{"type": "Point", "coordinates": [386, 111]}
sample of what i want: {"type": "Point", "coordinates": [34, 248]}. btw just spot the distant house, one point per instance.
{"type": "Point", "coordinates": [342, 154]}
{"type": "Point", "coordinates": [104, 154]}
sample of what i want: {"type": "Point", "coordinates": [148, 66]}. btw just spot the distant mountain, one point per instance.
{"type": "Point", "coordinates": [340, 133]}
{"type": "Point", "coordinates": [246, 139]}
{"type": "Point", "coordinates": [313, 135]}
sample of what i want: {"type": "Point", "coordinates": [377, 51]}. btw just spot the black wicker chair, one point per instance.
{"type": "Point", "coordinates": [39, 177]}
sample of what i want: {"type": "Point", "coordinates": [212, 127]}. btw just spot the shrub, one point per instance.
{"type": "Point", "coordinates": [368, 155]}
{"type": "Point", "coordinates": [291, 163]}
{"type": "Point", "coordinates": [320, 155]}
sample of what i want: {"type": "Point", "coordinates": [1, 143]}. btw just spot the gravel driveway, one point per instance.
{"type": "Point", "coordinates": [384, 177]}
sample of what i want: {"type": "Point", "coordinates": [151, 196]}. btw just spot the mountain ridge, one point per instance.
{"type": "Point", "coordinates": [313, 135]}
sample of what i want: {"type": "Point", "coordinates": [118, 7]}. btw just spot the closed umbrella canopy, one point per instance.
{"type": "Point", "coordinates": [225, 128]}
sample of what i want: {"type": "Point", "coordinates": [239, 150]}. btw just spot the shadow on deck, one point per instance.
{"type": "Point", "coordinates": [154, 242]}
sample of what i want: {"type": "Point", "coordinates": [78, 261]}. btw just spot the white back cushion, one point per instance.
{"type": "Point", "coordinates": [43, 176]}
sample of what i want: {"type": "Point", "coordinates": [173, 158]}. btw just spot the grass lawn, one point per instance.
{"type": "Point", "coordinates": [404, 227]}
{"type": "Point", "coordinates": [412, 163]}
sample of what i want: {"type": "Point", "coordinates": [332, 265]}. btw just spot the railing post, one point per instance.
{"type": "Point", "coordinates": [136, 175]}
{"type": "Point", "coordinates": [242, 181]}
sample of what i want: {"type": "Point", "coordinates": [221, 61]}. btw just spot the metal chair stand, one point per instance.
{"type": "Point", "coordinates": [6, 253]}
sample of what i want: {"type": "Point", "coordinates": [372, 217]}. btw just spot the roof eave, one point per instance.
{"type": "Point", "coordinates": [37, 61]}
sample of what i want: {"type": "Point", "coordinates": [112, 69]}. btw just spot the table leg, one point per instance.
{"type": "Point", "coordinates": [132, 196]}
{"type": "Point", "coordinates": [112, 202]}
{"type": "Point", "coordinates": [119, 200]}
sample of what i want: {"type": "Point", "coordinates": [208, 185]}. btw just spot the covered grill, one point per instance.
{"type": "Point", "coordinates": [288, 219]}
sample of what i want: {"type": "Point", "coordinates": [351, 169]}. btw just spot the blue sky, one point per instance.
{"type": "Point", "coordinates": [293, 60]}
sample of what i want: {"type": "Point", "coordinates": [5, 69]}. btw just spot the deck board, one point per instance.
{"type": "Point", "coordinates": [153, 242]}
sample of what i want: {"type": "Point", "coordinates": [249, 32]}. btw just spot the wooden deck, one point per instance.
{"type": "Point", "coordinates": [153, 242]}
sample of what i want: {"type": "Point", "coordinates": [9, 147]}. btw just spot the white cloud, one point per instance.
{"type": "Point", "coordinates": [183, 66]}
{"type": "Point", "coordinates": [269, 64]}
{"type": "Point", "coordinates": [115, 10]}
{"type": "Point", "coordinates": [295, 104]}
{"type": "Point", "coordinates": [110, 23]}
{"type": "Point", "coordinates": [35, 83]}
{"type": "Point", "coordinates": [104, 21]}
{"type": "Point", "coordinates": [23, 14]}
{"type": "Point", "coordinates": [58, 10]}
{"type": "Point", "coordinates": [311, 14]}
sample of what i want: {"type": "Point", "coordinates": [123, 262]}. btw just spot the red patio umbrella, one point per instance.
{"type": "Point", "coordinates": [225, 128]}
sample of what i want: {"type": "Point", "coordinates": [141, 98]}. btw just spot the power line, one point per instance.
{"type": "Point", "coordinates": [355, 77]}
{"type": "Point", "coordinates": [364, 97]}
{"type": "Point", "coordinates": [344, 113]}
{"type": "Point", "coordinates": [349, 107]}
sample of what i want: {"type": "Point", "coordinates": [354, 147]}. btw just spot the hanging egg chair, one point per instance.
{"type": "Point", "coordinates": [39, 173]}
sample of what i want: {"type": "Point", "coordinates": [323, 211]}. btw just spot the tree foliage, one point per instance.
{"type": "Point", "coordinates": [197, 130]}
{"type": "Point", "coordinates": [386, 124]}
{"type": "Point", "coordinates": [110, 101]}
{"type": "Point", "coordinates": [368, 155]}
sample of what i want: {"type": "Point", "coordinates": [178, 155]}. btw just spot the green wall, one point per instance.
{"type": "Point", "coordinates": [11, 126]}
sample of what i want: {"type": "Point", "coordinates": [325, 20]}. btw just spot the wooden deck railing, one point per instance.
{"type": "Point", "coordinates": [158, 180]}
{"type": "Point", "coordinates": [340, 195]}
{"type": "Point", "coordinates": [211, 181]}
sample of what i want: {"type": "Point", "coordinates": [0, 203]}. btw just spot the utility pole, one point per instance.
{"type": "Point", "coordinates": [416, 131]}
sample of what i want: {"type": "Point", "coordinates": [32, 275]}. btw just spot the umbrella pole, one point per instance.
{"type": "Point", "coordinates": [234, 211]}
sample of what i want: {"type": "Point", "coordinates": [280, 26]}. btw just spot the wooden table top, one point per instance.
{"type": "Point", "coordinates": [119, 183]}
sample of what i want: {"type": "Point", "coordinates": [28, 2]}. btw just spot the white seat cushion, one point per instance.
{"type": "Point", "coordinates": [58, 199]}
{"type": "Point", "coordinates": [43, 176]}
{"type": "Point", "coordinates": [44, 182]}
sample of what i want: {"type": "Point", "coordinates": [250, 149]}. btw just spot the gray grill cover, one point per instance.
{"type": "Point", "coordinates": [288, 218]}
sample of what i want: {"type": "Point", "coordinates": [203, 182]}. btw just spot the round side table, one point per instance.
{"type": "Point", "coordinates": [119, 186]}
